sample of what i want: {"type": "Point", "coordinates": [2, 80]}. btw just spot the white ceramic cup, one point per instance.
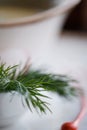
{"type": "Point", "coordinates": [42, 28]}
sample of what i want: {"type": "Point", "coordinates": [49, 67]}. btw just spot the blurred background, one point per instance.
{"type": "Point", "coordinates": [77, 20]}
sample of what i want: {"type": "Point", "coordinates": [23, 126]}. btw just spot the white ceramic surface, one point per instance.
{"type": "Point", "coordinates": [27, 34]}
{"type": "Point", "coordinates": [69, 57]}
{"type": "Point", "coordinates": [11, 109]}
{"type": "Point", "coordinates": [32, 38]}
{"type": "Point", "coordinates": [13, 116]}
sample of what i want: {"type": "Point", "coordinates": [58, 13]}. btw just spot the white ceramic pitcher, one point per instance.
{"type": "Point", "coordinates": [26, 34]}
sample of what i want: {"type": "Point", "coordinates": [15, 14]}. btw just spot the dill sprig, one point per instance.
{"type": "Point", "coordinates": [30, 85]}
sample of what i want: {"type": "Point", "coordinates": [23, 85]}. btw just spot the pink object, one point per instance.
{"type": "Point", "coordinates": [74, 124]}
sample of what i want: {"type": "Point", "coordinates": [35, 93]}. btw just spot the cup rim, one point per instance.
{"type": "Point", "coordinates": [54, 11]}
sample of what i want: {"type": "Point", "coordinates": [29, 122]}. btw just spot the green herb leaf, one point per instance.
{"type": "Point", "coordinates": [32, 84]}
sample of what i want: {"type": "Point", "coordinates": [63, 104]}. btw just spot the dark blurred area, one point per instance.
{"type": "Point", "coordinates": [41, 4]}
{"type": "Point", "coordinates": [77, 20]}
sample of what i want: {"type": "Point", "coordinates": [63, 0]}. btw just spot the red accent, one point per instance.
{"type": "Point", "coordinates": [68, 126]}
